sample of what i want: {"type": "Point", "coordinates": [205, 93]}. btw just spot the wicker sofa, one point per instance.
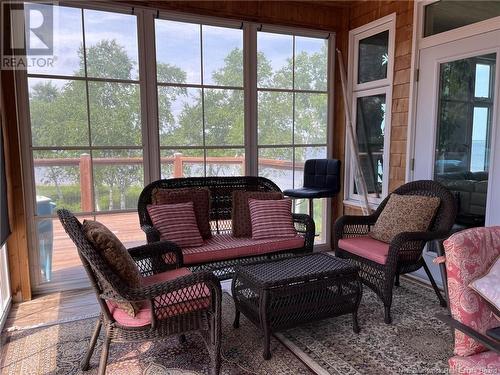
{"type": "Point", "coordinates": [223, 251]}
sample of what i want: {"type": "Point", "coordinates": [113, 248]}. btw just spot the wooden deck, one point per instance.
{"type": "Point", "coordinates": [66, 265]}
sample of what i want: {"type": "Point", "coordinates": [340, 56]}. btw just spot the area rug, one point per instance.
{"type": "Point", "coordinates": [58, 349]}
{"type": "Point", "coordinates": [415, 343]}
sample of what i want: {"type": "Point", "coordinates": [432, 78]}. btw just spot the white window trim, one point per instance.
{"type": "Point", "coordinates": [149, 111]}
{"type": "Point", "coordinates": [355, 91]}
{"type": "Point", "coordinates": [451, 35]}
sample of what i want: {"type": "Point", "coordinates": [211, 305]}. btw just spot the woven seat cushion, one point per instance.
{"type": "Point", "coordinates": [201, 202]}
{"type": "Point", "coordinates": [176, 223]}
{"type": "Point", "coordinates": [271, 219]}
{"type": "Point", "coordinates": [404, 213]}
{"type": "Point", "coordinates": [117, 256]}
{"type": "Point", "coordinates": [226, 246]}
{"type": "Point", "coordinates": [477, 364]}
{"type": "Point", "coordinates": [366, 247]}
{"type": "Point", "coordinates": [184, 301]}
{"type": "Point", "coordinates": [241, 223]}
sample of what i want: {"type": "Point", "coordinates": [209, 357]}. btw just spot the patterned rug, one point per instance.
{"type": "Point", "coordinates": [415, 343]}
{"type": "Point", "coordinates": [58, 349]}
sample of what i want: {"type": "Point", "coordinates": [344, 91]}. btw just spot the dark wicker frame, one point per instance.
{"type": "Point", "coordinates": [151, 260]}
{"type": "Point", "coordinates": [405, 250]}
{"type": "Point", "coordinates": [221, 190]}
{"type": "Point", "coordinates": [302, 289]}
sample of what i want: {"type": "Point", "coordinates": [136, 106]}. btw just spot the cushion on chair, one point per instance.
{"type": "Point", "coordinates": [478, 364]}
{"type": "Point", "coordinates": [271, 219]}
{"type": "Point", "coordinates": [200, 198]}
{"type": "Point", "coordinates": [176, 223]}
{"type": "Point", "coordinates": [404, 213]}
{"type": "Point", "coordinates": [310, 193]}
{"type": "Point", "coordinates": [241, 224]}
{"type": "Point", "coordinates": [469, 254]}
{"type": "Point", "coordinates": [226, 246]}
{"type": "Point", "coordinates": [116, 255]}
{"type": "Point", "coordinates": [178, 302]}
{"type": "Point", "coordinates": [488, 285]}
{"type": "Point", "coordinates": [366, 247]}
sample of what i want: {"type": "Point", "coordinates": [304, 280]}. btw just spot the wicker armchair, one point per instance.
{"type": "Point", "coordinates": [176, 305]}
{"type": "Point", "coordinates": [404, 253]}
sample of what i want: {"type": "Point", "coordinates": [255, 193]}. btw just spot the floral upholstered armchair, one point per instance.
{"type": "Point", "coordinates": [470, 255]}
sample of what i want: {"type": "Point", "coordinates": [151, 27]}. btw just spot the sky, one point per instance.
{"type": "Point", "coordinates": [177, 43]}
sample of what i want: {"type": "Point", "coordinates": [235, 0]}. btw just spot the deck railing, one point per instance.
{"type": "Point", "coordinates": [178, 160]}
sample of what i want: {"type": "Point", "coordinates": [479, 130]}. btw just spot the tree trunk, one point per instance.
{"type": "Point", "coordinates": [122, 199]}
{"type": "Point", "coordinates": [96, 198]}
{"type": "Point", "coordinates": [110, 195]}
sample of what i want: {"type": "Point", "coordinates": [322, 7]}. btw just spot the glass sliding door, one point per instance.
{"type": "Point", "coordinates": [292, 111]}
{"type": "Point", "coordinates": [86, 136]}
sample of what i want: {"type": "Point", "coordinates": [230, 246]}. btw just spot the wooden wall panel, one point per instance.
{"type": "Point", "coordinates": [306, 14]}
{"type": "Point", "coordinates": [361, 13]}
{"type": "Point", "coordinates": [17, 244]}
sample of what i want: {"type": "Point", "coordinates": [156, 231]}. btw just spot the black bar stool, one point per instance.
{"type": "Point", "coordinates": [321, 180]}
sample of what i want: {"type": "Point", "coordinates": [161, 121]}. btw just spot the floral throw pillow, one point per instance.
{"type": "Point", "coordinates": [404, 213]}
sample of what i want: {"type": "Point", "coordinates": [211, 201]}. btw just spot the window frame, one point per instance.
{"type": "Point", "coordinates": [147, 83]}
{"type": "Point", "coordinates": [377, 87]}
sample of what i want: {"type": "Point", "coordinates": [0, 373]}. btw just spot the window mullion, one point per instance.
{"type": "Point", "coordinates": [149, 95]}
{"type": "Point", "coordinates": [250, 97]}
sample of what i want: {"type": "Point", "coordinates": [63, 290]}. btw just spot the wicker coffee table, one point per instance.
{"type": "Point", "coordinates": [283, 293]}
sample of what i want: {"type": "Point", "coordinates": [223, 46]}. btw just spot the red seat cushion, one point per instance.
{"type": "Point", "coordinates": [178, 303]}
{"type": "Point", "coordinates": [366, 247]}
{"type": "Point", "coordinates": [225, 246]}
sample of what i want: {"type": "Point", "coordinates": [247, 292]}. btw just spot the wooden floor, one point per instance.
{"type": "Point", "coordinates": [53, 307]}
{"type": "Point", "coordinates": [66, 265]}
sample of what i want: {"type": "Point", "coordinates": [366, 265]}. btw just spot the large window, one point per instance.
{"type": "Point", "coordinates": [138, 95]}
{"type": "Point", "coordinates": [200, 99]}
{"type": "Point", "coordinates": [370, 80]}
{"type": "Point", "coordinates": [86, 132]}
{"type": "Point", "coordinates": [292, 100]}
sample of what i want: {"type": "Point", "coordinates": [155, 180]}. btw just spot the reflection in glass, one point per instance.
{"type": "Point", "coordinates": [180, 116]}
{"type": "Point", "coordinates": [277, 164]}
{"type": "Point", "coordinates": [111, 45]}
{"type": "Point", "coordinates": [224, 117]}
{"type": "Point", "coordinates": [115, 114]}
{"type": "Point", "coordinates": [373, 57]}
{"type": "Point", "coordinates": [311, 116]}
{"type": "Point", "coordinates": [182, 163]}
{"type": "Point", "coordinates": [178, 52]}
{"type": "Point", "coordinates": [311, 61]}
{"type": "Point", "coordinates": [275, 118]}
{"type": "Point", "coordinates": [274, 60]}
{"type": "Point", "coordinates": [441, 16]}
{"type": "Point", "coordinates": [222, 47]}
{"type": "Point", "coordinates": [226, 162]}
{"type": "Point", "coordinates": [67, 41]}
{"type": "Point", "coordinates": [370, 124]}
{"type": "Point", "coordinates": [463, 133]}
{"type": "Point", "coordinates": [118, 179]}
{"type": "Point", "coordinates": [52, 124]}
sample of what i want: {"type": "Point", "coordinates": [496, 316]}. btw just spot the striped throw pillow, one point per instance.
{"type": "Point", "coordinates": [176, 223]}
{"type": "Point", "coordinates": [271, 218]}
